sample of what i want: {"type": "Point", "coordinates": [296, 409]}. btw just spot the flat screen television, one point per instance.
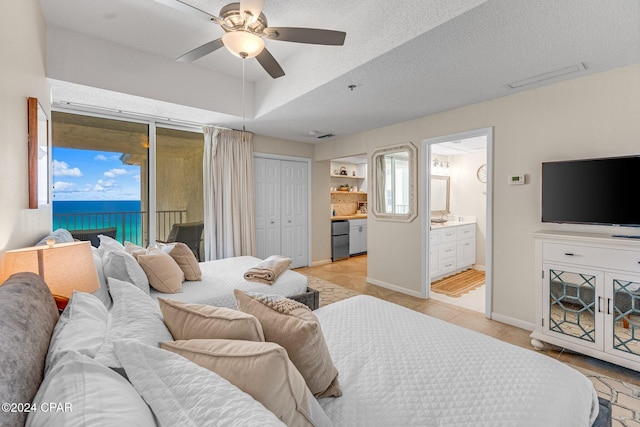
{"type": "Point", "coordinates": [594, 191]}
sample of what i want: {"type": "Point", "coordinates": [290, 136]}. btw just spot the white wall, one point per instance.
{"type": "Point", "coordinates": [589, 117]}
{"type": "Point", "coordinates": [468, 196]}
{"type": "Point", "coordinates": [22, 74]}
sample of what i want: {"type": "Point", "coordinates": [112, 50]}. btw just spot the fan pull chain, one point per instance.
{"type": "Point", "coordinates": [244, 136]}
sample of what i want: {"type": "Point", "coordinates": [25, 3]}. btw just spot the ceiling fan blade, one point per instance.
{"type": "Point", "coordinates": [201, 51]}
{"type": "Point", "coordinates": [252, 6]}
{"type": "Point", "coordinates": [270, 64]}
{"type": "Point", "coordinates": [185, 7]}
{"type": "Point", "coordinates": [306, 35]}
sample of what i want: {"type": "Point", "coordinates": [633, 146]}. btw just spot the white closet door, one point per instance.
{"type": "Point", "coordinates": [294, 212]}
{"type": "Point", "coordinates": [267, 190]}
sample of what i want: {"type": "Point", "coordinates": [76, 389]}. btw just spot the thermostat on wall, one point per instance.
{"type": "Point", "coordinates": [516, 179]}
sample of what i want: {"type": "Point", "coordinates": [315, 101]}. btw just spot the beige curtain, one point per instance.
{"type": "Point", "coordinates": [229, 211]}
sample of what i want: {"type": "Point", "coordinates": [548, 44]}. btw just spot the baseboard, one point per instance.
{"type": "Point", "coordinates": [513, 322]}
{"type": "Point", "coordinates": [479, 267]}
{"type": "Point", "coordinates": [394, 287]}
{"type": "Point", "coordinates": [321, 262]}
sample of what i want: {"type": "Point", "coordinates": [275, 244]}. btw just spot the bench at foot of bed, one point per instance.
{"type": "Point", "coordinates": [311, 298]}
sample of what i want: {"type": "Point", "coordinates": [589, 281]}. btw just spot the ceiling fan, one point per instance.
{"type": "Point", "coordinates": [245, 28]}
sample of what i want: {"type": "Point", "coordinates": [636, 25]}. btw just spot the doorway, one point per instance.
{"type": "Point", "coordinates": [457, 219]}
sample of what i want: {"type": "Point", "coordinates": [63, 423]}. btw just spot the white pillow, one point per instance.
{"type": "Point", "coordinates": [122, 266]}
{"type": "Point", "coordinates": [82, 328]}
{"type": "Point", "coordinates": [108, 244]}
{"type": "Point", "coordinates": [181, 393]}
{"type": "Point", "coordinates": [87, 394]}
{"type": "Point", "coordinates": [61, 235]}
{"type": "Point", "coordinates": [134, 315]}
{"type": "Point", "coordinates": [165, 247]}
{"type": "Point", "coordinates": [103, 291]}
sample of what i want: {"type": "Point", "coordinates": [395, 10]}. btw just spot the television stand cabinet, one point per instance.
{"type": "Point", "coordinates": [588, 295]}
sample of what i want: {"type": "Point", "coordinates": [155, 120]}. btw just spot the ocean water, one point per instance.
{"type": "Point", "coordinates": [125, 215]}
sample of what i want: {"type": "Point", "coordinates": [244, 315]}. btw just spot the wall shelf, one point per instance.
{"type": "Point", "coordinates": [348, 192]}
{"type": "Point", "coordinates": [347, 176]}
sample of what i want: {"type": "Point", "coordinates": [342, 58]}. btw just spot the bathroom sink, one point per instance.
{"type": "Point", "coordinates": [438, 221]}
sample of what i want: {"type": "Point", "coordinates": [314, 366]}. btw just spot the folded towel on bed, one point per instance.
{"type": "Point", "coordinates": [268, 270]}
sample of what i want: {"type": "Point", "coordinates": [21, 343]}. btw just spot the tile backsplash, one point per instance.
{"type": "Point", "coordinates": [347, 203]}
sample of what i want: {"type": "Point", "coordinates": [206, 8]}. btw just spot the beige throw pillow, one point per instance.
{"type": "Point", "coordinates": [187, 261]}
{"type": "Point", "coordinates": [294, 326]}
{"type": "Point", "coordinates": [163, 272]}
{"type": "Point", "coordinates": [187, 321]}
{"type": "Point", "coordinates": [261, 369]}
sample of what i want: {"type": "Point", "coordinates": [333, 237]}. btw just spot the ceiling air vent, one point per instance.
{"type": "Point", "coordinates": [550, 75]}
{"type": "Point", "coordinates": [326, 135]}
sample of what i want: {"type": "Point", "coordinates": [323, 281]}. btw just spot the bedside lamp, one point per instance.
{"type": "Point", "coordinates": [65, 267]}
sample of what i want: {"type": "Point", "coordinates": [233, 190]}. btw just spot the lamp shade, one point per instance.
{"type": "Point", "coordinates": [243, 44]}
{"type": "Point", "coordinates": [65, 267]}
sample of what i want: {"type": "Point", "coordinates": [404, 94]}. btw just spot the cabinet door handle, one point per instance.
{"type": "Point", "coordinates": [608, 305]}
{"type": "Point", "coordinates": [599, 304]}
{"type": "Point", "coordinates": [568, 254]}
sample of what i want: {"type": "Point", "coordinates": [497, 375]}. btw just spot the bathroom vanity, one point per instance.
{"type": "Point", "coordinates": [452, 247]}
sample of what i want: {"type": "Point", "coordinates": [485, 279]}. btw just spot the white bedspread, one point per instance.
{"type": "Point", "coordinates": [221, 277]}
{"type": "Point", "coordinates": [399, 367]}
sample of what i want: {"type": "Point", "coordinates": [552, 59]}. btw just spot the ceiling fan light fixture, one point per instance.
{"type": "Point", "coordinates": [254, 7]}
{"type": "Point", "coordinates": [243, 44]}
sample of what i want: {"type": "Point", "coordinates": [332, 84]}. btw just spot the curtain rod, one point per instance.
{"type": "Point", "coordinates": [75, 106]}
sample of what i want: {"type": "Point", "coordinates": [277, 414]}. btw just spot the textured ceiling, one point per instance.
{"type": "Point", "coordinates": [407, 59]}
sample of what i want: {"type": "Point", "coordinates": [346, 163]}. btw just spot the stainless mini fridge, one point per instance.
{"type": "Point", "coordinates": [339, 240]}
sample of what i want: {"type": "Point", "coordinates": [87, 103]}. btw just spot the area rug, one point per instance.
{"type": "Point", "coordinates": [459, 284]}
{"type": "Point", "coordinates": [329, 292]}
{"type": "Point", "coordinates": [624, 397]}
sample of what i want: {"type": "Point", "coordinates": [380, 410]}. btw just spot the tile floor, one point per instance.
{"type": "Point", "coordinates": [351, 273]}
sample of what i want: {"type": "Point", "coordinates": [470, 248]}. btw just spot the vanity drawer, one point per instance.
{"type": "Point", "coordinates": [466, 231]}
{"type": "Point", "coordinates": [447, 265]}
{"type": "Point", "coordinates": [448, 234]}
{"type": "Point", "coordinates": [616, 259]}
{"type": "Point", "coordinates": [447, 250]}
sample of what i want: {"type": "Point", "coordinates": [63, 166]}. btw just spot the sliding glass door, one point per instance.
{"type": "Point", "coordinates": [105, 171]}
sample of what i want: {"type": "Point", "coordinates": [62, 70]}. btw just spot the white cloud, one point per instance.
{"type": "Point", "coordinates": [111, 173]}
{"type": "Point", "coordinates": [62, 186]}
{"type": "Point", "coordinates": [136, 177]}
{"type": "Point", "coordinates": [106, 183]}
{"type": "Point", "coordinates": [62, 169]}
{"type": "Point", "coordinates": [103, 158]}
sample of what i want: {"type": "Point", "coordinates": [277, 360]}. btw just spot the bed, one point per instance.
{"type": "Point", "coordinates": [396, 367]}
{"type": "Point", "coordinates": [399, 367]}
{"type": "Point", "coordinates": [221, 277]}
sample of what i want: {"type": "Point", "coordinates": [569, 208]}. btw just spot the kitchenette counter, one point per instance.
{"type": "Point", "coordinates": [343, 217]}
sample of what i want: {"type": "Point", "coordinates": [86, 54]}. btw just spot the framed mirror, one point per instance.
{"type": "Point", "coordinates": [393, 176]}
{"type": "Point", "coordinates": [439, 195]}
{"type": "Point", "coordinates": [39, 149]}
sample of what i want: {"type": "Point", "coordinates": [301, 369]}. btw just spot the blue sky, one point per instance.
{"type": "Point", "coordinates": [93, 175]}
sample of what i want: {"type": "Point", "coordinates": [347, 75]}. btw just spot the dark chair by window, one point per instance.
{"type": "Point", "coordinates": [189, 233]}
{"type": "Point", "coordinates": [92, 234]}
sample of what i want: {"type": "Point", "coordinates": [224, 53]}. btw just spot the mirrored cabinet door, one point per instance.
{"type": "Point", "coordinates": [572, 305]}
{"type": "Point", "coordinates": [623, 329]}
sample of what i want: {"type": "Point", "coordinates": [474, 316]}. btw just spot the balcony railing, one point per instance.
{"type": "Point", "coordinates": [131, 226]}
